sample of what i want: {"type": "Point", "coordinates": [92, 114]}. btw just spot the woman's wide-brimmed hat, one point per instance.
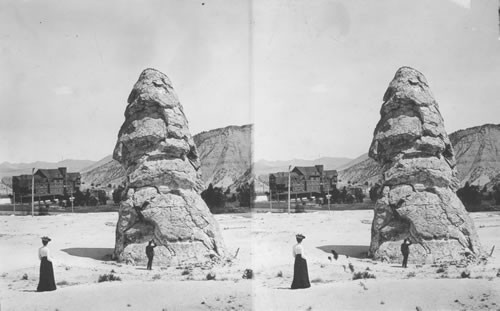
{"type": "Point", "coordinates": [300, 236]}
{"type": "Point", "coordinates": [46, 239]}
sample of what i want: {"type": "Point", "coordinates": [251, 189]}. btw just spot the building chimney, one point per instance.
{"type": "Point", "coordinates": [319, 168]}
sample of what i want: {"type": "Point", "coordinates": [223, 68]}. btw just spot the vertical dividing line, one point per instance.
{"type": "Point", "coordinates": [32, 192]}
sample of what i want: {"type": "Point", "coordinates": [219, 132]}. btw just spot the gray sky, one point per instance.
{"type": "Point", "coordinates": [322, 68]}
{"type": "Point", "coordinates": [319, 69]}
{"type": "Point", "coordinates": [67, 68]}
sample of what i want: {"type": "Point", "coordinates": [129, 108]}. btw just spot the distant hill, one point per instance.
{"type": "Point", "coordinates": [103, 172]}
{"type": "Point", "coordinates": [361, 170]}
{"type": "Point", "coordinates": [225, 156]}
{"type": "Point", "coordinates": [477, 151]}
{"type": "Point", "coordinates": [13, 169]}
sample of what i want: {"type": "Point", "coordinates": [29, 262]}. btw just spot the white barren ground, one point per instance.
{"type": "Point", "coordinates": [80, 243]}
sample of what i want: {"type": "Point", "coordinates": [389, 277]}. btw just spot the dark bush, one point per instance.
{"type": "Point", "coordinates": [363, 275]}
{"type": "Point", "coordinates": [211, 276]}
{"type": "Point", "coordinates": [108, 278]}
{"type": "Point", "coordinates": [248, 274]}
{"type": "Point", "coordinates": [465, 274]}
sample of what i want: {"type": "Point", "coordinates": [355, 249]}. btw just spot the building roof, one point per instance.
{"type": "Point", "coordinates": [282, 177]}
{"type": "Point", "coordinates": [51, 173]}
{"type": "Point", "coordinates": [73, 176]}
{"type": "Point", "coordinates": [307, 171]}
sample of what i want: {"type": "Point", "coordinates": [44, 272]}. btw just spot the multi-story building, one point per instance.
{"type": "Point", "coordinates": [304, 181]}
{"type": "Point", "coordinates": [49, 184]}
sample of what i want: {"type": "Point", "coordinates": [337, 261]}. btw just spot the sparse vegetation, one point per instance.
{"type": "Point", "coordinates": [465, 274]}
{"type": "Point", "coordinates": [108, 278]}
{"type": "Point", "coordinates": [363, 275]}
{"type": "Point", "coordinates": [411, 274]}
{"type": "Point", "coordinates": [156, 277]}
{"type": "Point", "coordinates": [470, 197]}
{"type": "Point", "coordinates": [440, 270]}
{"type": "Point", "coordinates": [317, 280]}
{"type": "Point", "coordinates": [248, 274]}
{"type": "Point", "coordinates": [62, 283]}
{"type": "Point", "coordinates": [211, 275]}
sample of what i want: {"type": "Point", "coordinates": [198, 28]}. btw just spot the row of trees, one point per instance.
{"type": "Point", "coordinates": [89, 198]}
{"type": "Point", "coordinates": [346, 195]}
{"type": "Point", "coordinates": [216, 198]}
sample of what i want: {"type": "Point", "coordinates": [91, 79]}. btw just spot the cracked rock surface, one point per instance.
{"type": "Point", "coordinates": [417, 198]}
{"type": "Point", "coordinates": [162, 199]}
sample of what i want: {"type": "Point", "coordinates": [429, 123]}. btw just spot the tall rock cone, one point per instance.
{"type": "Point", "coordinates": [417, 199]}
{"type": "Point", "coordinates": [162, 199]}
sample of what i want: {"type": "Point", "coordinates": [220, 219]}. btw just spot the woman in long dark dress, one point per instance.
{"type": "Point", "coordinates": [47, 281]}
{"type": "Point", "coordinates": [300, 273]}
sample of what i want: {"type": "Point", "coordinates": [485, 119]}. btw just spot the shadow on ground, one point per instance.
{"type": "Point", "coordinates": [94, 253]}
{"type": "Point", "coordinates": [356, 251]}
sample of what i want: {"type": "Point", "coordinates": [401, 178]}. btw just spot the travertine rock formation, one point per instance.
{"type": "Point", "coordinates": [162, 200]}
{"type": "Point", "coordinates": [418, 197]}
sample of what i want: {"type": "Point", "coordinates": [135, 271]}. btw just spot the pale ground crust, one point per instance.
{"type": "Point", "coordinates": [81, 241]}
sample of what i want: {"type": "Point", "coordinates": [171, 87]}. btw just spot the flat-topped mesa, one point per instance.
{"type": "Point", "coordinates": [162, 200]}
{"type": "Point", "coordinates": [418, 197]}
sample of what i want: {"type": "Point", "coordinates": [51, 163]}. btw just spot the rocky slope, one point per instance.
{"type": "Point", "coordinates": [360, 170]}
{"type": "Point", "coordinates": [225, 155]}
{"type": "Point", "coordinates": [104, 172]}
{"type": "Point", "coordinates": [478, 154]}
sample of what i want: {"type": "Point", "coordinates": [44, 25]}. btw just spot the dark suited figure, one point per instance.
{"type": "Point", "coordinates": [150, 252]}
{"type": "Point", "coordinates": [405, 250]}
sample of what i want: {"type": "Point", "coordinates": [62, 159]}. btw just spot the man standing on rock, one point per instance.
{"type": "Point", "coordinates": [150, 252]}
{"type": "Point", "coordinates": [405, 249]}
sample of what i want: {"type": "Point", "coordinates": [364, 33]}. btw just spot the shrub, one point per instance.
{"type": "Point", "coordinates": [363, 275]}
{"type": "Point", "coordinates": [248, 274]}
{"type": "Point", "coordinates": [280, 274]}
{"type": "Point", "coordinates": [211, 275]}
{"type": "Point", "coordinates": [108, 278]}
{"type": "Point", "coordinates": [411, 274]}
{"type": "Point", "coordinates": [25, 276]}
{"type": "Point", "coordinates": [156, 277]}
{"type": "Point", "coordinates": [465, 274]}
{"type": "Point", "coordinates": [186, 272]}
{"type": "Point", "coordinates": [317, 280]}
{"type": "Point", "coordinates": [440, 270]}
{"type": "Point", "coordinates": [63, 282]}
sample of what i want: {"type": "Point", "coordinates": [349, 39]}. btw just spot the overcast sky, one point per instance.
{"type": "Point", "coordinates": [67, 68]}
{"type": "Point", "coordinates": [315, 71]}
{"type": "Point", "coordinates": [322, 68]}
